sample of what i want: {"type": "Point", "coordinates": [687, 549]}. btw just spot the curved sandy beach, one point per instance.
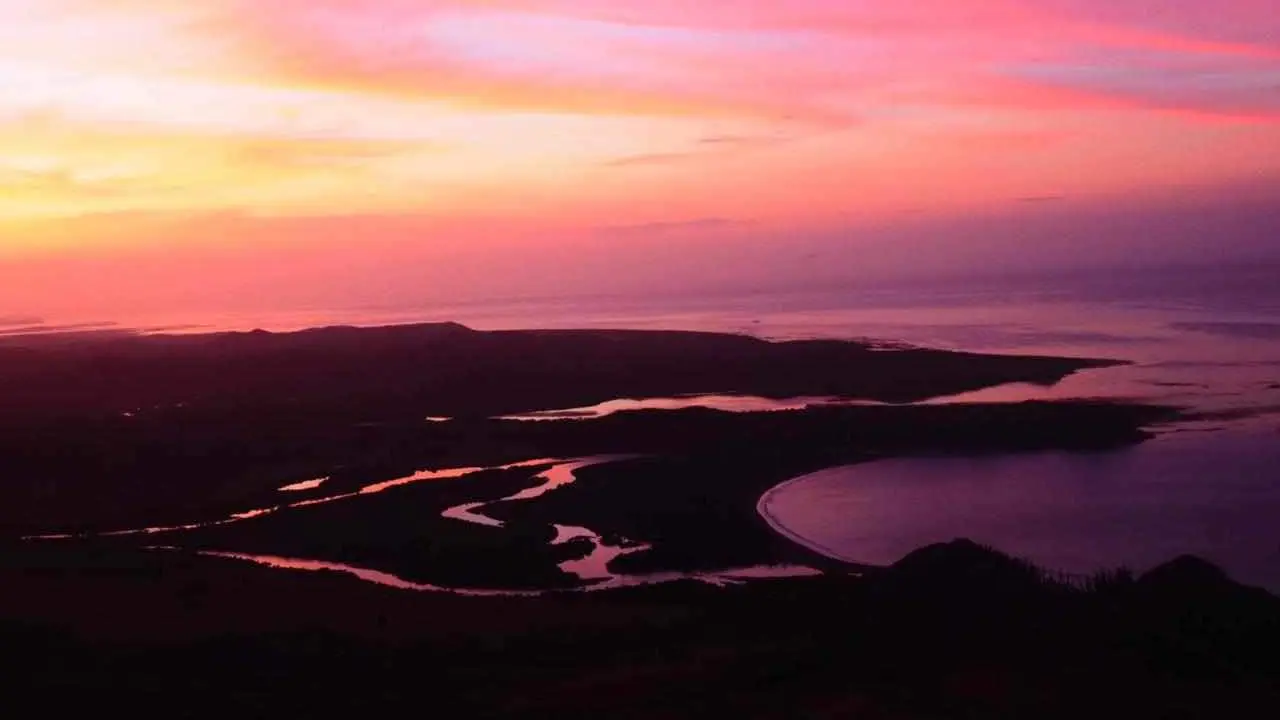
{"type": "Point", "coordinates": [762, 507]}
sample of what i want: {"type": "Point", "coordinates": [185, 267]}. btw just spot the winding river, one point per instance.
{"type": "Point", "coordinates": [591, 569]}
{"type": "Point", "coordinates": [374, 489]}
{"type": "Point", "coordinates": [1213, 494]}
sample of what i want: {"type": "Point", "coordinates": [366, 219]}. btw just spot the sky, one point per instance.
{"type": "Point", "coordinates": [215, 154]}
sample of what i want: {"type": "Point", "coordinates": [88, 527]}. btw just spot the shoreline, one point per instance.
{"type": "Point", "coordinates": [762, 508]}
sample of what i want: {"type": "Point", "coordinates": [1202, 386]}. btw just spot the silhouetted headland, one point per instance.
{"type": "Point", "coordinates": [448, 370]}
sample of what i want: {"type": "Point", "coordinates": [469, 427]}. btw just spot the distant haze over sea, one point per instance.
{"type": "Point", "coordinates": [1244, 291]}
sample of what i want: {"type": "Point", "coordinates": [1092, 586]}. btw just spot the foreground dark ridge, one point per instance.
{"type": "Point", "coordinates": [450, 370]}
{"type": "Point", "coordinates": [951, 631]}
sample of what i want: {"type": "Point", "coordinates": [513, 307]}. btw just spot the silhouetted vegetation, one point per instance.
{"type": "Point", "coordinates": [955, 630]}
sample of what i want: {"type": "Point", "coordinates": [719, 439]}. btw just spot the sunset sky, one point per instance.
{"type": "Point", "coordinates": [198, 153]}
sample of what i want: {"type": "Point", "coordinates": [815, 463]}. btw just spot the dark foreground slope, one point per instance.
{"type": "Point", "coordinates": [953, 631]}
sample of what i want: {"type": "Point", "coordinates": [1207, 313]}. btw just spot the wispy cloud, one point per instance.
{"type": "Point", "coordinates": [649, 159]}
{"type": "Point", "coordinates": [480, 107]}
{"type": "Point", "coordinates": [670, 227]}
{"type": "Point", "coordinates": [728, 140]}
{"type": "Point", "coordinates": [706, 148]}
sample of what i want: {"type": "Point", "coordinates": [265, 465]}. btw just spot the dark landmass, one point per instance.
{"type": "Point", "coordinates": [108, 433]}
{"type": "Point", "coordinates": [402, 532]}
{"type": "Point", "coordinates": [952, 631]}
{"type": "Point", "coordinates": [125, 432]}
{"type": "Point", "coordinates": [693, 496]}
{"type": "Point", "coordinates": [448, 370]}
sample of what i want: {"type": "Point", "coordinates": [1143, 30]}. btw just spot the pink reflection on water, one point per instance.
{"type": "Point", "coordinates": [450, 474]}
{"type": "Point", "coordinates": [1198, 491]}
{"type": "Point", "coordinates": [148, 531]}
{"type": "Point", "coordinates": [592, 569]}
{"type": "Point", "coordinates": [566, 534]}
{"type": "Point", "coordinates": [595, 565]}
{"type": "Point", "coordinates": [423, 476]}
{"type": "Point", "coordinates": [254, 513]}
{"type": "Point", "coordinates": [723, 402]}
{"type": "Point", "coordinates": [723, 578]}
{"type": "Point", "coordinates": [552, 478]}
{"type": "Point", "coordinates": [466, 513]}
{"type": "Point", "coordinates": [773, 572]}
{"type": "Point", "coordinates": [563, 474]}
{"type": "Point", "coordinates": [305, 485]}
{"type": "Point", "coordinates": [376, 577]}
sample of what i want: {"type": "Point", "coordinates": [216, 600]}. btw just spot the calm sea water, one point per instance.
{"type": "Point", "coordinates": [1212, 494]}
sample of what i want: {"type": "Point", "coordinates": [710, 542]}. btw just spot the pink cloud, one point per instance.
{"type": "Point", "coordinates": [819, 59]}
